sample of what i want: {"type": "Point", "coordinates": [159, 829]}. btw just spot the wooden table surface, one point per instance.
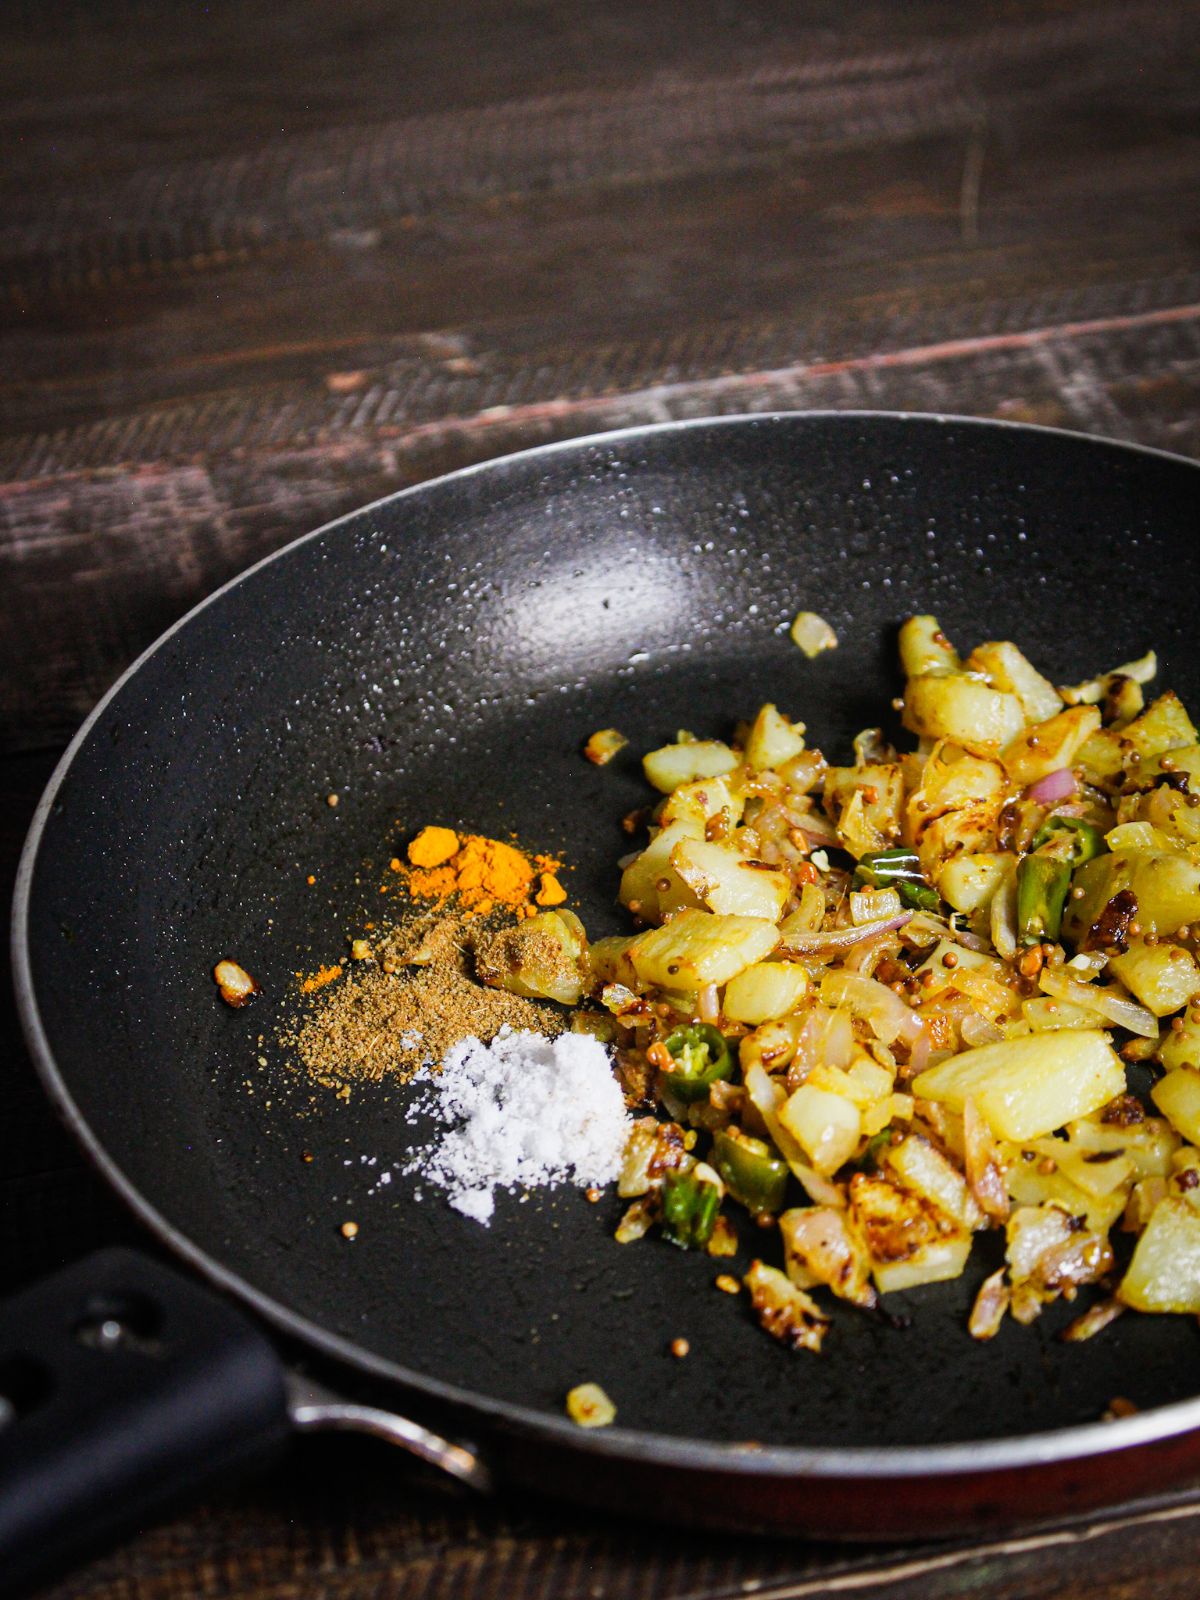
{"type": "Point", "coordinates": [259, 265]}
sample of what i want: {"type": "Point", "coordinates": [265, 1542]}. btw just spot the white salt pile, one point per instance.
{"type": "Point", "coordinates": [526, 1111]}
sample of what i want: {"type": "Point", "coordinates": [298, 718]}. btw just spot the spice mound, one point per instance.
{"type": "Point", "coordinates": [478, 874]}
{"type": "Point", "coordinates": [524, 1111]}
{"type": "Point", "coordinates": [403, 1008]}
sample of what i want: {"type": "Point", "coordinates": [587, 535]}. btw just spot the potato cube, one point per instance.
{"type": "Point", "coordinates": [1180, 1047]}
{"type": "Point", "coordinates": [1029, 1186]}
{"type": "Point", "coordinates": [650, 886]}
{"type": "Point", "coordinates": [916, 1166]}
{"type": "Point", "coordinates": [697, 948]}
{"type": "Point", "coordinates": [1007, 669]}
{"type": "Point", "coordinates": [767, 990]}
{"type": "Point", "coordinates": [968, 882]}
{"type": "Point", "coordinates": [674, 764]}
{"type": "Point", "coordinates": [1038, 751]}
{"type": "Point", "coordinates": [1029, 1086]}
{"type": "Point", "coordinates": [729, 884]}
{"type": "Point", "coordinates": [772, 740]}
{"type": "Point", "coordinates": [825, 1126]}
{"type": "Point", "coordinates": [700, 802]}
{"type": "Point", "coordinates": [925, 648]}
{"type": "Point", "coordinates": [1164, 1274]}
{"type": "Point", "coordinates": [1164, 725]}
{"type": "Point", "coordinates": [1177, 1096]}
{"type": "Point", "coordinates": [956, 707]}
{"type": "Point", "coordinates": [1162, 976]}
{"type": "Point", "coordinates": [936, 1262]}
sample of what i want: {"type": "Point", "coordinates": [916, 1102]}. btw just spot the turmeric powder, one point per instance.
{"type": "Point", "coordinates": [479, 874]}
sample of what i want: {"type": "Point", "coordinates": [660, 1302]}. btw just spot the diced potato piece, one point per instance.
{"type": "Point", "coordinates": [869, 1082]}
{"type": "Point", "coordinates": [1149, 1144]}
{"type": "Point", "coordinates": [1096, 1172]}
{"type": "Point", "coordinates": [1177, 1096]}
{"type": "Point", "coordinates": [812, 634]}
{"type": "Point", "coordinates": [825, 1126]}
{"type": "Point", "coordinates": [1162, 976]}
{"type": "Point", "coordinates": [820, 1247]}
{"type": "Point", "coordinates": [1030, 1086]}
{"type": "Point", "coordinates": [1164, 1274]}
{"type": "Point", "coordinates": [674, 764]}
{"type": "Point", "coordinates": [1183, 758]}
{"type": "Point", "coordinates": [727, 883]}
{"type": "Point", "coordinates": [837, 1080]}
{"type": "Point", "coordinates": [1038, 751]}
{"type": "Point", "coordinates": [764, 991]}
{"type": "Point", "coordinates": [1143, 670]}
{"type": "Point", "coordinates": [1029, 1186]}
{"type": "Point", "coordinates": [1165, 883]}
{"type": "Point", "coordinates": [1006, 668]}
{"type": "Point", "coordinates": [909, 1240]}
{"type": "Point", "coordinates": [772, 740]}
{"type": "Point", "coordinates": [925, 648]}
{"type": "Point", "coordinates": [697, 947]}
{"type": "Point", "coordinates": [650, 886]}
{"type": "Point", "coordinates": [1102, 755]}
{"type": "Point", "coordinates": [604, 745]}
{"type": "Point", "coordinates": [968, 882]}
{"type": "Point", "coordinates": [1045, 1014]}
{"type": "Point", "coordinates": [1137, 836]}
{"type": "Point", "coordinates": [952, 779]}
{"type": "Point", "coordinates": [1164, 725]}
{"type": "Point", "coordinates": [609, 960]}
{"type": "Point", "coordinates": [980, 719]}
{"type": "Point", "coordinates": [1180, 1047]}
{"type": "Point", "coordinates": [700, 802]}
{"type": "Point", "coordinates": [918, 1167]}
{"type": "Point", "coordinates": [935, 1263]}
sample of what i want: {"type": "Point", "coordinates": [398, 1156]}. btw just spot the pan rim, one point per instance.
{"type": "Point", "coordinates": [883, 1463]}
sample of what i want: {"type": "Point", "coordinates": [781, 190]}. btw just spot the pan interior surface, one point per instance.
{"type": "Point", "coordinates": [441, 657]}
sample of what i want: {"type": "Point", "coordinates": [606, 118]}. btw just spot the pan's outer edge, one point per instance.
{"type": "Point", "coordinates": [919, 1462]}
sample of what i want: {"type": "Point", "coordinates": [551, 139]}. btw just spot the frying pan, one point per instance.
{"type": "Point", "coordinates": [441, 656]}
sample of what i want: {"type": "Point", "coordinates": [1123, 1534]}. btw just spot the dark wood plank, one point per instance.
{"type": "Point", "coordinates": [260, 266]}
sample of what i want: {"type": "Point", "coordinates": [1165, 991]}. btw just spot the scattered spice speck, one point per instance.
{"type": "Point", "coordinates": [331, 800]}
{"type": "Point", "coordinates": [550, 892]}
{"type": "Point", "coordinates": [360, 949]}
{"type": "Point", "coordinates": [604, 745]}
{"type": "Point", "coordinates": [679, 1348]}
{"type": "Point", "coordinates": [318, 979]}
{"type": "Point", "coordinates": [727, 1284]}
{"type": "Point", "coordinates": [349, 1230]}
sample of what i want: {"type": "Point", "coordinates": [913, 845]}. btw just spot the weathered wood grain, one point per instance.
{"type": "Point", "coordinates": [258, 266]}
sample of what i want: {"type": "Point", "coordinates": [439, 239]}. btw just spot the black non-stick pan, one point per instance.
{"type": "Point", "coordinates": [441, 656]}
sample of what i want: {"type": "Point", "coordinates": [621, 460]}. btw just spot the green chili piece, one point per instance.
{"type": "Point", "coordinates": [751, 1172]}
{"type": "Point", "coordinates": [1077, 841]}
{"type": "Point", "coordinates": [898, 869]}
{"type": "Point", "coordinates": [690, 1205]}
{"type": "Point", "coordinates": [701, 1056]}
{"type": "Point", "coordinates": [918, 896]}
{"type": "Point", "coordinates": [882, 868]}
{"type": "Point", "coordinates": [1042, 884]}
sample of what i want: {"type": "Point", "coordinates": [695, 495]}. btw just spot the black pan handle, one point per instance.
{"type": "Point", "coordinates": [123, 1388]}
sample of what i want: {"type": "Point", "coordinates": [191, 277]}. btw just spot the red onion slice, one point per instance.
{"type": "Point", "coordinates": [1059, 785]}
{"type": "Point", "coordinates": [811, 944]}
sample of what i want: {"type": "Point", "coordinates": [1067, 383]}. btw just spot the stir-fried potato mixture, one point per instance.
{"type": "Point", "coordinates": [887, 1005]}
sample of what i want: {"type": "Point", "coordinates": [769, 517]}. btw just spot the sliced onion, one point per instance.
{"type": "Point", "coordinates": [811, 944]}
{"type": "Point", "coordinates": [1057, 785]}
{"type": "Point", "coordinates": [881, 1008]}
{"type": "Point", "coordinates": [1102, 1002]}
{"type": "Point", "coordinates": [979, 1030]}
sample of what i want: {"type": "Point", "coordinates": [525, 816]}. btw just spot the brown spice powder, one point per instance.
{"type": "Point", "coordinates": [391, 1016]}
